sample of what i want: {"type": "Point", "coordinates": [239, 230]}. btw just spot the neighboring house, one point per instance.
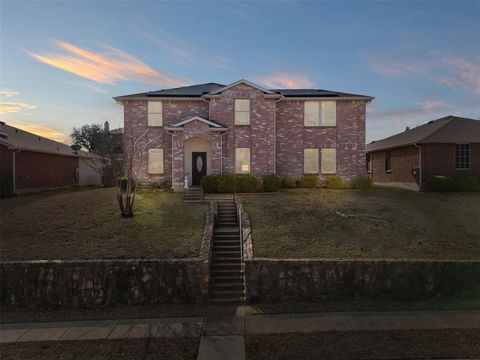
{"type": "Point", "coordinates": [246, 129]}
{"type": "Point", "coordinates": [29, 162]}
{"type": "Point", "coordinates": [449, 146]}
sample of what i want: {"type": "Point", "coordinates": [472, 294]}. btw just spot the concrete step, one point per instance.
{"type": "Point", "coordinates": [219, 272]}
{"type": "Point", "coordinates": [236, 294]}
{"type": "Point", "coordinates": [234, 287]}
{"type": "Point", "coordinates": [233, 245]}
{"type": "Point", "coordinates": [228, 224]}
{"type": "Point", "coordinates": [222, 253]}
{"type": "Point", "coordinates": [226, 261]}
{"type": "Point", "coordinates": [230, 279]}
{"type": "Point", "coordinates": [237, 267]}
{"type": "Point", "coordinates": [227, 301]}
{"type": "Point", "coordinates": [226, 230]}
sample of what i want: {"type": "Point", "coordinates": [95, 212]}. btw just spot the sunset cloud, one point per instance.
{"type": "Point", "coordinates": [41, 130]}
{"type": "Point", "coordinates": [466, 74]}
{"type": "Point", "coordinates": [14, 107]}
{"type": "Point", "coordinates": [389, 67]}
{"type": "Point", "coordinates": [9, 93]}
{"type": "Point", "coordinates": [108, 67]}
{"type": "Point", "coordinates": [285, 80]}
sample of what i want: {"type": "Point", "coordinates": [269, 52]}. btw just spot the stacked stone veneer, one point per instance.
{"type": "Point", "coordinates": [276, 134]}
{"type": "Point", "coordinates": [104, 283]}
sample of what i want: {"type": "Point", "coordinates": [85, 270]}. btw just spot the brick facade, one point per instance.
{"type": "Point", "coordinates": [439, 159]}
{"type": "Point", "coordinates": [402, 161]}
{"type": "Point", "coordinates": [276, 135]}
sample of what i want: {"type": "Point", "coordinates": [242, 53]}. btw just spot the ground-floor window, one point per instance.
{"type": "Point", "coordinates": [388, 162]}
{"type": "Point", "coordinates": [329, 161]}
{"type": "Point", "coordinates": [369, 163]}
{"type": "Point", "coordinates": [242, 160]}
{"type": "Point", "coordinates": [462, 156]}
{"type": "Point", "coordinates": [310, 161]}
{"type": "Point", "coordinates": [155, 161]}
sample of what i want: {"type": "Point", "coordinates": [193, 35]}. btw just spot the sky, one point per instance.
{"type": "Point", "coordinates": [62, 62]}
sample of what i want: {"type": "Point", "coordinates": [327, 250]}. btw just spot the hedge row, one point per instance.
{"type": "Point", "coordinates": [452, 184]}
{"type": "Point", "coordinates": [228, 183]}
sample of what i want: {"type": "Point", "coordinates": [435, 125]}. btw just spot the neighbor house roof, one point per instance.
{"type": "Point", "coordinates": [15, 138]}
{"type": "Point", "coordinates": [449, 129]}
{"type": "Point", "coordinates": [211, 89]}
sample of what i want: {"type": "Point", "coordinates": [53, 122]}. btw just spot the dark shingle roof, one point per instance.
{"type": "Point", "coordinates": [203, 89]}
{"type": "Point", "coordinates": [449, 129]}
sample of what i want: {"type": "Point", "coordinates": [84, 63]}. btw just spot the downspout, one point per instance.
{"type": "Point", "coordinates": [14, 171]}
{"type": "Point", "coordinates": [420, 180]}
{"type": "Point", "coordinates": [221, 151]}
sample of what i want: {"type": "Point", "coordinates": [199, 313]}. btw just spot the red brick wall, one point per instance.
{"type": "Point", "coordinates": [439, 159]}
{"type": "Point", "coordinates": [5, 162]}
{"type": "Point", "coordinates": [37, 170]}
{"type": "Point", "coordinates": [402, 161]}
{"type": "Point", "coordinates": [348, 137]}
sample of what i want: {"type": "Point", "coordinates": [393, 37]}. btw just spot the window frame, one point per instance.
{"type": "Point", "coordinates": [322, 161]}
{"type": "Point", "coordinates": [235, 112]}
{"type": "Point", "coordinates": [369, 163]}
{"type": "Point", "coordinates": [388, 162]}
{"type": "Point", "coordinates": [238, 168]}
{"type": "Point", "coordinates": [305, 172]}
{"type": "Point", "coordinates": [149, 123]}
{"type": "Point", "coordinates": [462, 157]}
{"type": "Point", "coordinates": [162, 161]}
{"type": "Point", "coordinates": [319, 113]}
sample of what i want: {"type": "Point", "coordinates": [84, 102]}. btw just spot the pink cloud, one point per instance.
{"type": "Point", "coordinates": [285, 80]}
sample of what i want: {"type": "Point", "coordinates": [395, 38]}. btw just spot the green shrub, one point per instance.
{"type": "Point", "coordinates": [226, 183]}
{"type": "Point", "coordinates": [440, 184]}
{"type": "Point", "coordinates": [122, 183]}
{"type": "Point", "coordinates": [210, 183]}
{"type": "Point", "coordinates": [246, 183]}
{"type": "Point", "coordinates": [6, 188]}
{"type": "Point", "coordinates": [271, 183]}
{"type": "Point", "coordinates": [362, 183]}
{"type": "Point", "coordinates": [466, 183]}
{"type": "Point", "coordinates": [333, 182]}
{"type": "Point", "coordinates": [289, 183]}
{"type": "Point", "coordinates": [308, 181]}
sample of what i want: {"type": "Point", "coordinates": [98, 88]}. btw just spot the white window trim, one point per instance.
{"type": "Point", "coordinates": [317, 165]}
{"type": "Point", "coordinates": [235, 111]}
{"type": "Point", "coordinates": [162, 162]}
{"type": "Point", "coordinates": [149, 123]}
{"type": "Point", "coordinates": [249, 161]}
{"type": "Point", "coordinates": [469, 157]}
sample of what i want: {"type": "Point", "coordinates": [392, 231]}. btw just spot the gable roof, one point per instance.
{"type": "Point", "coordinates": [211, 124]}
{"type": "Point", "coordinates": [15, 138]}
{"type": "Point", "coordinates": [204, 90]}
{"type": "Point", "coordinates": [449, 129]}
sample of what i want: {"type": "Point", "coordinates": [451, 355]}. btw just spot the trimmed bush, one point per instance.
{"type": "Point", "coordinates": [308, 181]}
{"type": "Point", "coordinates": [440, 184]}
{"type": "Point", "coordinates": [271, 183]}
{"type": "Point", "coordinates": [226, 183]}
{"type": "Point", "coordinates": [333, 182]}
{"type": "Point", "coordinates": [122, 183]}
{"type": "Point", "coordinates": [246, 183]}
{"type": "Point", "coordinates": [466, 184]}
{"type": "Point", "coordinates": [362, 183]}
{"type": "Point", "coordinates": [289, 183]}
{"type": "Point", "coordinates": [210, 183]}
{"type": "Point", "coordinates": [6, 188]}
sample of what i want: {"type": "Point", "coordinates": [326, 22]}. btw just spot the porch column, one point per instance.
{"type": "Point", "coordinates": [177, 161]}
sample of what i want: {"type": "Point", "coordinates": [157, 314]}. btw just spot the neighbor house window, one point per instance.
{"type": "Point", "coordinates": [155, 161]}
{"type": "Point", "coordinates": [155, 116]}
{"type": "Point", "coordinates": [310, 161]}
{"type": "Point", "coordinates": [388, 162]}
{"type": "Point", "coordinates": [242, 160]}
{"type": "Point", "coordinates": [462, 156]}
{"type": "Point", "coordinates": [320, 113]}
{"type": "Point", "coordinates": [369, 163]}
{"type": "Point", "coordinates": [329, 161]}
{"type": "Point", "coordinates": [242, 112]}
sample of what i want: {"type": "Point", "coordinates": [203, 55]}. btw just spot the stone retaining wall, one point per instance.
{"type": "Point", "coordinates": [270, 280]}
{"type": "Point", "coordinates": [103, 283]}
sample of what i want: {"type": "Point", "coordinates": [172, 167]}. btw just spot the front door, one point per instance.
{"type": "Point", "coordinates": [199, 167]}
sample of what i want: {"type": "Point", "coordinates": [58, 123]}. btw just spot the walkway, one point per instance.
{"type": "Point", "coordinates": [223, 335]}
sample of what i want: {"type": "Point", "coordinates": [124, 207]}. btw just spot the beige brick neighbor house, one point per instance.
{"type": "Point", "coordinates": [244, 128]}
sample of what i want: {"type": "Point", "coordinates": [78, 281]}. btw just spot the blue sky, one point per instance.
{"type": "Point", "coordinates": [61, 62]}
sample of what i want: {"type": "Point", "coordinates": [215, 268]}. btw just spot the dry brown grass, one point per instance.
{"type": "Point", "coordinates": [382, 223]}
{"type": "Point", "coordinates": [87, 224]}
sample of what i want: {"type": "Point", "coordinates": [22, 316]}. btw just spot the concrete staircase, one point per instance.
{"type": "Point", "coordinates": [227, 285]}
{"type": "Point", "coordinates": [194, 194]}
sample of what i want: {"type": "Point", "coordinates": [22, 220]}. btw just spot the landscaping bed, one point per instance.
{"type": "Point", "coordinates": [352, 224]}
{"type": "Point", "coordinates": [383, 344]}
{"type": "Point", "coordinates": [86, 224]}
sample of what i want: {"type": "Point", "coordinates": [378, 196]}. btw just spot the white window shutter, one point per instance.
{"type": "Point", "coordinates": [329, 161]}
{"type": "Point", "coordinates": [155, 161]}
{"type": "Point", "coordinates": [310, 161]}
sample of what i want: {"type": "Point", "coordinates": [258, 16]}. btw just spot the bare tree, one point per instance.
{"type": "Point", "coordinates": [135, 147]}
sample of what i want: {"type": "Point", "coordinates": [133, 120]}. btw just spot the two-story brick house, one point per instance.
{"type": "Point", "coordinates": [244, 128]}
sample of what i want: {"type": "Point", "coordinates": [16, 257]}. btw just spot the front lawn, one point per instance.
{"type": "Point", "coordinates": [382, 223]}
{"type": "Point", "coordinates": [86, 224]}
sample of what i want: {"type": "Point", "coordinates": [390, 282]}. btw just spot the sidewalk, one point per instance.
{"type": "Point", "coordinates": [222, 336]}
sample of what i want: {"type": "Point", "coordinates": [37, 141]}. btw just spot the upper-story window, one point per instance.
{"type": "Point", "coordinates": [242, 112]}
{"type": "Point", "coordinates": [155, 113]}
{"type": "Point", "coordinates": [320, 113]}
{"type": "Point", "coordinates": [462, 156]}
